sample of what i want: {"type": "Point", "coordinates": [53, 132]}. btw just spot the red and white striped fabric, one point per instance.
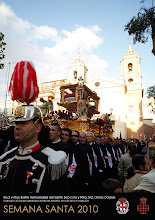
{"type": "Point", "coordinates": [23, 84]}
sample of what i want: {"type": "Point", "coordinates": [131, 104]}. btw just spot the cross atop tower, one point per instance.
{"type": "Point", "coordinates": [130, 47]}
{"type": "Point", "coordinates": [79, 52]}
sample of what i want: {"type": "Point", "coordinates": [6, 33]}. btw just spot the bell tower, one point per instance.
{"type": "Point", "coordinates": [130, 66]}
{"type": "Point", "coordinates": [77, 69]}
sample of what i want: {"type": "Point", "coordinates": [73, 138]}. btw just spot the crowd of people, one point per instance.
{"type": "Point", "coordinates": [95, 164]}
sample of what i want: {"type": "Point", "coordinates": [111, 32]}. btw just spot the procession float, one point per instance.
{"type": "Point", "coordinates": [79, 104]}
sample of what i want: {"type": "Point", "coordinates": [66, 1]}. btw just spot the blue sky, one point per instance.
{"type": "Point", "coordinates": [50, 32]}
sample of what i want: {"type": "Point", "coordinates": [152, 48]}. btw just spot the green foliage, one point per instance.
{"type": "Point", "coordinates": [2, 48]}
{"type": "Point", "coordinates": [141, 26]}
{"type": "Point", "coordinates": [151, 92]}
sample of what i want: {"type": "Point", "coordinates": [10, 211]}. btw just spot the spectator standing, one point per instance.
{"type": "Point", "coordinates": [138, 168]}
{"type": "Point", "coordinates": [147, 182]}
{"type": "Point", "coordinates": [126, 161]}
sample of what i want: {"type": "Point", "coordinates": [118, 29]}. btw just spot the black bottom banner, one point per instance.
{"type": "Point", "coordinates": [134, 204]}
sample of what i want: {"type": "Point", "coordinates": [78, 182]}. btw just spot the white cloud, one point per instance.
{"type": "Point", "coordinates": [59, 57]}
{"type": "Point", "coordinates": [96, 66]}
{"type": "Point", "coordinates": [25, 41]}
{"type": "Point", "coordinates": [84, 38]}
{"type": "Point", "coordinates": [10, 20]}
{"type": "Point", "coordinates": [45, 32]}
{"type": "Point", "coordinates": [5, 13]}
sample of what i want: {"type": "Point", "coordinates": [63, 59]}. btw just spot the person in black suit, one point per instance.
{"type": "Point", "coordinates": [7, 139]}
{"type": "Point", "coordinates": [75, 162]}
{"type": "Point", "coordinates": [55, 142]}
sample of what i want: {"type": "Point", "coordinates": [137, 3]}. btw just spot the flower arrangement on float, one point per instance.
{"type": "Point", "coordinates": [62, 115]}
{"type": "Point", "coordinates": [104, 123]}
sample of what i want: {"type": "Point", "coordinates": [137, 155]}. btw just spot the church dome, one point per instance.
{"type": "Point", "coordinates": [78, 60]}
{"type": "Point", "coordinates": [130, 53]}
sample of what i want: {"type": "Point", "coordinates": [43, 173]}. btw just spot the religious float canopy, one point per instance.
{"type": "Point", "coordinates": [80, 104]}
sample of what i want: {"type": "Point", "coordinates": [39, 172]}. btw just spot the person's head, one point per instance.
{"type": "Point", "coordinates": [82, 137]}
{"type": "Point", "coordinates": [132, 149]}
{"type": "Point", "coordinates": [110, 186]}
{"type": "Point", "coordinates": [135, 140]}
{"type": "Point", "coordinates": [98, 139]}
{"type": "Point", "coordinates": [42, 100]}
{"type": "Point", "coordinates": [90, 137]}
{"type": "Point", "coordinates": [151, 156]}
{"type": "Point", "coordinates": [28, 124]}
{"type": "Point", "coordinates": [139, 162]}
{"type": "Point", "coordinates": [55, 131]}
{"type": "Point", "coordinates": [75, 137]}
{"type": "Point", "coordinates": [66, 135]}
{"type": "Point", "coordinates": [102, 139]}
{"type": "Point", "coordinates": [106, 140]}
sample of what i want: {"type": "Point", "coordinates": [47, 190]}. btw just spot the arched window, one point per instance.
{"type": "Point", "coordinates": [75, 74]}
{"type": "Point", "coordinates": [131, 108]}
{"type": "Point", "coordinates": [130, 66]}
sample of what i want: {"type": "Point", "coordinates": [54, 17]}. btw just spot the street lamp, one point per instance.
{"type": "Point", "coordinates": [81, 83]}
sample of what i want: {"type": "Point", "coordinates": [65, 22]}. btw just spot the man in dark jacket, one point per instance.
{"type": "Point", "coordinates": [55, 142]}
{"type": "Point", "coordinates": [76, 168]}
{"type": "Point", "coordinates": [7, 139]}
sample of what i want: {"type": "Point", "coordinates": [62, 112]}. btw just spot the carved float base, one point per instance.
{"type": "Point", "coordinates": [82, 125]}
